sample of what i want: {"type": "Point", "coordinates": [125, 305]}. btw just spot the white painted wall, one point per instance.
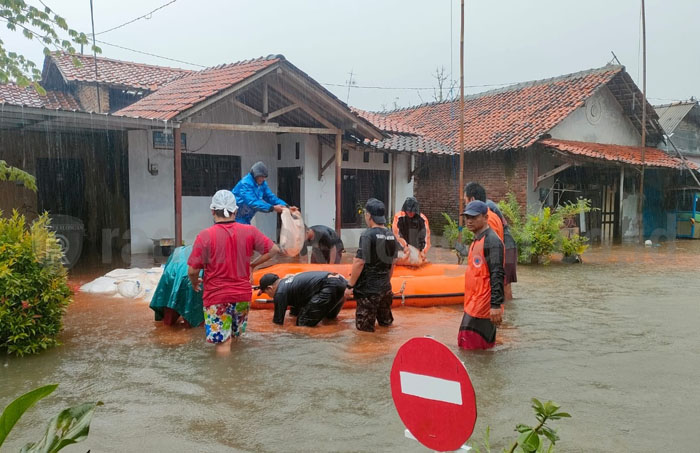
{"type": "Point", "coordinates": [152, 197]}
{"type": "Point", "coordinates": [600, 120]}
{"type": "Point", "coordinates": [320, 195]}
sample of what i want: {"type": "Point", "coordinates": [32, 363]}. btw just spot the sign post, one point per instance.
{"type": "Point", "coordinates": [433, 394]}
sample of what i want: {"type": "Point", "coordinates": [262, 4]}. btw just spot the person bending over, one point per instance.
{"type": "Point", "coordinates": [326, 245]}
{"type": "Point", "coordinates": [312, 296]}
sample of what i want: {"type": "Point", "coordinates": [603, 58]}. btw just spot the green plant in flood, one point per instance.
{"type": "Point", "coordinates": [543, 233]}
{"type": "Point", "coordinates": [33, 286]}
{"type": "Point", "coordinates": [532, 439]}
{"type": "Point", "coordinates": [574, 246]}
{"type": "Point", "coordinates": [458, 242]}
{"type": "Point", "coordinates": [70, 426]}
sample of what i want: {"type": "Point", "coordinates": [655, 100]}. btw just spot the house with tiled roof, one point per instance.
{"type": "Point", "coordinates": [681, 124]}
{"type": "Point", "coordinates": [143, 162]}
{"type": "Point", "coordinates": [119, 83]}
{"type": "Point", "coordinates": [547, 141]}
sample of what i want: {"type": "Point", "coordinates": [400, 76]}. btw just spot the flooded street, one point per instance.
{"type": "Point", "coordinates": [614, 341]}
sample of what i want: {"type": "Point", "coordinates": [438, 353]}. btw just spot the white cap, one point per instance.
{"type": "Point", "coordinates": [224, 200]}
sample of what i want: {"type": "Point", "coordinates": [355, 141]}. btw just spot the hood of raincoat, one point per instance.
{"type": "Point", "coordinates": [411, 205]}
{"type": "Point", "coordinates": [258, 169]}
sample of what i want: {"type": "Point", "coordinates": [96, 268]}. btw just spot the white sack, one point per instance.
{"type": "Point", "coordinates": [292, 233]}
{"type": "Point", "coordinates": [101, 285]}
{"type": "Point", "coordinates": [412, 258]}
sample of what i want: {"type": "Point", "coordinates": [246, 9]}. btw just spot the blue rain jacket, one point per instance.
{"type": "Point", "coordinates": [251, 198]}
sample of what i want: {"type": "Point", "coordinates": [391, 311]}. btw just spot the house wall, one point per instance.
{"type": "Point", "coordinates": [686, 136]}
{"type": "Point", "coordinates": [152, 197]}
{"type": "Point", "coordinates": [320, 195]}
{"type": "Point", "coordinates": [600, 120]}
{"type": "Point", "coordinates": [103, 202]}
{"type": "Point", "coordinates": [437, 179]}
{"type": "Point", "coordinates": [87, 97]}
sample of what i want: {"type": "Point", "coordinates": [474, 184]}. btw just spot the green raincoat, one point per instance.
{"type": "Point", "coordinates": [175, 290]}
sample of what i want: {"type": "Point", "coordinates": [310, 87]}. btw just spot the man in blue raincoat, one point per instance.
{"type": "Point", "coordinates": [253, 195]}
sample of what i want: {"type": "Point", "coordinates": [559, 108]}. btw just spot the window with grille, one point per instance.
{"type": "Point", "coordinates": [204, 174]}
{"type": "Point", "coordinates": [357, 187]}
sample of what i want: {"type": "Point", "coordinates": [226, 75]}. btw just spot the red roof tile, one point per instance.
{"type": "Point", "coordinates": [188, 91]}
{"type": "Point", "coordinates": [512, 117]}
{"type": "Point", "coordinates": [383, 123]}
{"type": "Point", "coordinates": [28, 97]}
{"type": "Point", "coordinates": [115, 72]}
{"type": "Point", "coordinates": [653, 157]}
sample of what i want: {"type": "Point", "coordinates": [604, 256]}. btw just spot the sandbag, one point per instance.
{"type": "Point", "coordinates": [101, 285]}
{"type": "Point", "coordinates": [412, 258]}
{"type": "Point", "coordinates": [292, 233]}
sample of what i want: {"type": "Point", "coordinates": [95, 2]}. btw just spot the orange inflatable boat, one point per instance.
{"type": "Point", "coordinates": [426, 286]}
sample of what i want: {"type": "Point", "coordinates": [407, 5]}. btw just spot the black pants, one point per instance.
{"type": "Point", "coordinates": [326, 303]}
{"type": "Point", "coordinates": [323, 256]}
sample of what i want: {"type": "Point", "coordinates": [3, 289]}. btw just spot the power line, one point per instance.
{"type": "Point", "coordinates": [138, 18]}
{"type": "Point", "coordinates": [411, 88]}
{"type": "Point", "coordinates": [150, 54]}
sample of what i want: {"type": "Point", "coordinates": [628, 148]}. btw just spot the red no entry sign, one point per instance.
{"type": "Point", "coordinates": [433, 394]}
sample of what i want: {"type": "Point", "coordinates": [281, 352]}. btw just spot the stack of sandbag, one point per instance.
{"type": "Point", "coordinates": [292, 233]}
{"type": "Point", "coordinates": [128, 283]}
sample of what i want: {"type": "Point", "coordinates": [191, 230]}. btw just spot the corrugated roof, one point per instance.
{"type": "Point", "coordinates": [653, 157]}
{"type": "Point", "coordinates": [28, 97]}
{"type": "Point", "coordinates": [670, 115]}
{"type": "Point", "coordinates": [114, 72]}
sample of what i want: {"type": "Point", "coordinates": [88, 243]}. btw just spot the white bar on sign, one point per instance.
{"type": "Point", "coordinates": [430, 387]}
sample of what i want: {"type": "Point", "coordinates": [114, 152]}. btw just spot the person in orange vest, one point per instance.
{"type": "Point", "coordinates": [483, 281]}
{"type": "Point", "coordinates": [497, 222]}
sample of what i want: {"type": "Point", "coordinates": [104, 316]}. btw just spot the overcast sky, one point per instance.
{"type": "Point", "coordinates": [400, 43]}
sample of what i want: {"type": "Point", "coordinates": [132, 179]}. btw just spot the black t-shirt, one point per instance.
{"type": "Point", "coordinates": [296, 291]}
{"type": "Point", "coordinates": [324, 239]}
{"type": "Point", "coordinates": [378, 249]}
{"type": "Point", "coordinates": [413, 230]}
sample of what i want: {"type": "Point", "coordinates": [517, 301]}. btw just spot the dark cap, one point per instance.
{"type": "Point", "coordinates": [266, 281]}
{"type": "Point", "coordinates": [376, 211]}
{"type": "Point", "coordinates": [475, 208]}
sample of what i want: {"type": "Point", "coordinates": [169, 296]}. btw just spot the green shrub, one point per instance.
{"type": "Point", "coordinates": [539, 235]}
{"type": "Point", "coordinates": [33, 286]}
{"type": "Point", "coordinates": [543, 232]}
{"type": "Point", "coordinates": [451, 232]}
{"type": "Point", "coordinates": [575, 245]}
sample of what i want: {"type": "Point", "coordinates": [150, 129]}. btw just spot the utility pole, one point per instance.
{"type": "Point", "coordinates": [640, 201]}
{"type": "Point", "coordinates": [460, 189]}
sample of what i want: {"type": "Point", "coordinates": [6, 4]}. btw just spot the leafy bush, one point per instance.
{"type": "Point", "coordinates": [458, 242]}
{"type": "Point", "coordinates": [539, 235]}
{"type": "Point", "coordinates": [543, 233]}
{"type": "Point", "coordinates": [575, 245]}
{"type": "Point", "coordinates": [70, 426]}
{"type": "Point", "coordinates": [33, 286]}
{"type": "Point", "coordinates": [8, 173]}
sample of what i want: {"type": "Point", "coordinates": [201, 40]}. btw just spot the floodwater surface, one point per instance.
{"type": "Point", "coordinates": [615, 341]}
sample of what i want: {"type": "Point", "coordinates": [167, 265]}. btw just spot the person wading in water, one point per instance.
{"type": "Point", "coordinates": [483, 282]}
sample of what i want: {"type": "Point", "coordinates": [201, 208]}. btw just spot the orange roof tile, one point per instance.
{"type": "Point", "coordinates": [28, 97]}
{"type": "Point", "coordinates": [115, 72]}
{"type": "Point", "coordinates": [508, 118]}
{"type": "Point", "coordinates": [186, 92]}
{"type": "Point", "coordinates": [653, 157]}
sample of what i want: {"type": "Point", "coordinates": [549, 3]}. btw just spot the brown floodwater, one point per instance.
{"type": "Point", "coordinates": [615, 341]}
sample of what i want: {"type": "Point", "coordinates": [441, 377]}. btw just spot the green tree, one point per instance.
{"type": "Point", "coordinates": [43, 25]}
{"type": "Point", "coordinates": [8, 173]}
